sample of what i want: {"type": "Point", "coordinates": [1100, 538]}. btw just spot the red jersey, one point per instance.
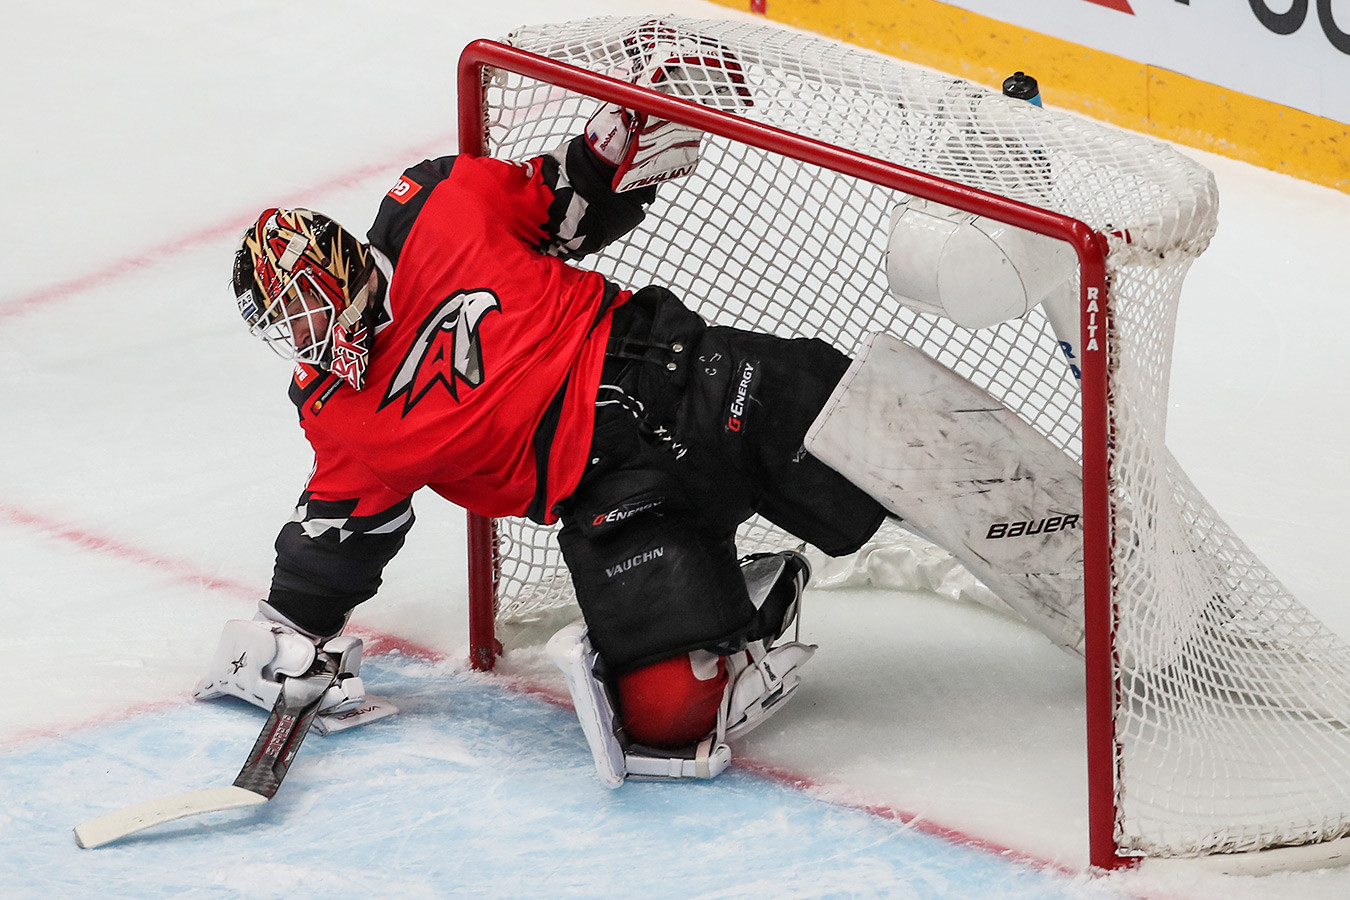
{"type": "Point", "coordinates": [482, 383]}
{"type": "Point", "coordinates": [482, 376]}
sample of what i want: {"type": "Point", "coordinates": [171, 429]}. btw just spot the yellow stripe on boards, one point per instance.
{"type": "Point", "coordinates": [1106, 87]}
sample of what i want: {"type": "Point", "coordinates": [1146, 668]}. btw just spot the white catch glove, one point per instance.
{"type": "Point", "coordinates": [647, 150]}
{"type": "Point", "coordinates": [644, 149]}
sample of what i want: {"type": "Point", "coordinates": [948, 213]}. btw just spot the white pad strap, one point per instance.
{"type": "Point", "coordinates": [761, 683]}
{"type": "Point", "coordinates": [966, 473]}
{"type": "Point", "coordinates": [614, 757]}
{"type": "Point", "coordinates": [706, 759]}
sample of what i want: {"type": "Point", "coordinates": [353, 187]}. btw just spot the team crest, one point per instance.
{"type": "Point", "coordinates": [446, 350]}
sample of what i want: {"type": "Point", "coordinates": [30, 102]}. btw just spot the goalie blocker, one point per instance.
{"type": "Point", "coordinates": [253, 657]}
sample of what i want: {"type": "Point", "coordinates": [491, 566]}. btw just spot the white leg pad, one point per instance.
{"type": "Point", "coordinates": [571, 652]}
{"type": "Point", "coordinates": [964, 472]}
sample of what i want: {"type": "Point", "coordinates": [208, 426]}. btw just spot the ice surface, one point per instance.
{"type": "Point", "coordinates": [148, 454]}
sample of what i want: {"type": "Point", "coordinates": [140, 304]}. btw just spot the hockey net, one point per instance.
{"type": "Point", "coordinates": [1229, 700]}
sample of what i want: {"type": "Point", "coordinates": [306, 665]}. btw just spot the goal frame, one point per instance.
{"type": "Point", "coordinates": [481, 56]}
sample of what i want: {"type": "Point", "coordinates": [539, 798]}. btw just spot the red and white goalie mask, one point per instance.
{"type": "Point", "coordinates": [302, 284]}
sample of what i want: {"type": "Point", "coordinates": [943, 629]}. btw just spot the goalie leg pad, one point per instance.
{"type": "Point", "coordinates": [616, 758]}
{"type": "Point", "coordinates": [668, 705]}
{"type": "Point", "coordinates": [760, 684]}
{"type": "Point", "coordinates": [674, 702]}
{"type": "Point", "coordinates": [966, 473]}
{"type": "Point", "coordinates": [571, 652]}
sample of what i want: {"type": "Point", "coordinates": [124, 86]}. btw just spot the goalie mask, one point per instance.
{"type": "Point", "coordinates": [302, 284]}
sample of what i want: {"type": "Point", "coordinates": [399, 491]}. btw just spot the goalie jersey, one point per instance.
{"type": "Point", "coordinates": [481, 383]}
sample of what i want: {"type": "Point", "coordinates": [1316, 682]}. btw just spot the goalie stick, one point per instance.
{"type": "Point", "coordinates": [258, 780]}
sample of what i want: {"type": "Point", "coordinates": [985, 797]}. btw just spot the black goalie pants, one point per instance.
{"type": "Point", "coordinates": [697, 429]}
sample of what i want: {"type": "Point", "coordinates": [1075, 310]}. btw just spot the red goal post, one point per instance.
{"type": "Point", "coordinates": [481, 56]}
{"type": "Point", "coordinates": [1216, 704]}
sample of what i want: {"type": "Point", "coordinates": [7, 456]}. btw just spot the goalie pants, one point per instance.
{"type": "Point", "coordinates": [697, 429]}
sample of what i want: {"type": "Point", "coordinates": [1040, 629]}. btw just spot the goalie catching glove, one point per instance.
{"type": "Point", "coordinates": [644, 149]}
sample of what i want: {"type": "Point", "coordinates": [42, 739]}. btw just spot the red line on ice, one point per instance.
{"type": "Point", "coordinates": [148, 259]}
{"type": "Point", "coordinates": [376, 642]}
{"type": "Point", "coordinates": [88, 540]}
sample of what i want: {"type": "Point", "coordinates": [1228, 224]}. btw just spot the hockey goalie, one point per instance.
{"type": "Point", "coordinates": [461, 348]}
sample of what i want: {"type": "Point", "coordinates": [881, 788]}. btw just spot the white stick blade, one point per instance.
{"type": "Point", "coordinates": [117, 825]}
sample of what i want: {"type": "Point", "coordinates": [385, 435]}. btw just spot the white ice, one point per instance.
{"type": "Point", "coordinates": [148, 451]}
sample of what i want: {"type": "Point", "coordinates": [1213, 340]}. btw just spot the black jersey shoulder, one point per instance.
{"type": "Point", "coordinates": [403, 204]}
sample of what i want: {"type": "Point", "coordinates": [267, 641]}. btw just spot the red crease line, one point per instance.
{"type": "Point", "coordinates": [148, 259]}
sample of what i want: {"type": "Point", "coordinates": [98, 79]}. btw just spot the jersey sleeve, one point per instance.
{"type": "Point", "coordinates": [331, 555]}
{"type": "Point", "coordinates": [561, 203]}
{"type": "Point", "coordinates": [586, 214]}
{"type": "Point", "coordinates": [330, 559]}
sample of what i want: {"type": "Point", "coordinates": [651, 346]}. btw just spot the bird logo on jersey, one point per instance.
{"type": "Point", "coordinates": [445, 351]}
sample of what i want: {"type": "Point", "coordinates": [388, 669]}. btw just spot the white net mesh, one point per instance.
{"type": "Point", "coordinates": [1232, 700]}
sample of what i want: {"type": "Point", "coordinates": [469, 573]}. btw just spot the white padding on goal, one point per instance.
{"type": "Point", "coordinates": [965, 472]}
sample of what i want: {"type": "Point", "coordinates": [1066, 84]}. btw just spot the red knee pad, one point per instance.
{"type": "Point", "coordinates": [674, 702]}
